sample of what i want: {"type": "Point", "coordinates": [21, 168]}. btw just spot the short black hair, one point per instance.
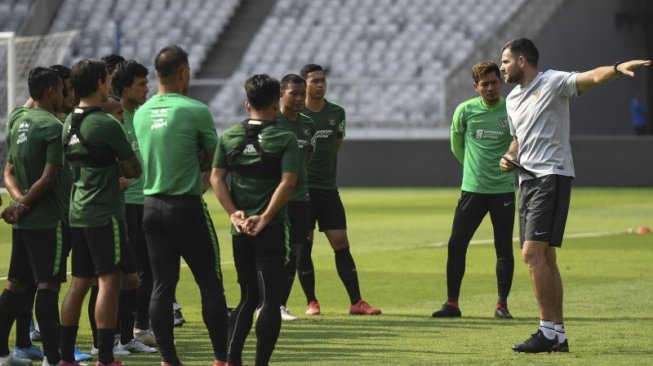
{"type": "Point", "coordinates": [112, 61]}
{"type": "Point", "coordinates": [307, 69]}
{"type": "Point", "coordinates": [291, 79]}
{"type": "Point", "coordinates": [124, 75]}
{"type": "Point", "coordinates": [262, 90]}
{"type": "Point", "coordinates": [62, 70]}
{"type": "Point", "coordinates": [524, 47]}
{"type": "Point", "coordinates": [484, 68]}
{"type": "Point", "coordinates": [169, 60]}
{"type": "Point", "coordinates": [40, 79]}
{"type": "Point", "coordinates": [85, 76]}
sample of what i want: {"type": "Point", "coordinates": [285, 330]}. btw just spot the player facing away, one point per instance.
{"type": "Point", "coordinates": [261, 160]}
{"type": "Point", "coordinates": [176, 138]}
{"type": "Point", "coordinates": [36, 182]}
{"type": "Point", "coordinates": [97, 149]}
{"type": "Point", "coordinates": [293, 95]}
{"type": "Point", "coordinates": [538, 111]}
{"type": "Point", "coordinates": [326, 206]}
{"type": "Point", "coordinates": [479, 136]}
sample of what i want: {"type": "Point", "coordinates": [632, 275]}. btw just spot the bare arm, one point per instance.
{"type": "Point", "coordinates": [11, 183]}
{"type": "Point", "coordinates": [14, 213]}
{"type": "Point", "coordinates": [504, 164]}
{"type": "Point", "coordinates": [256, 223]}
{"type": "Point", "coordinates": [206, 157]}
{"type": "Point", "coordinates": [338, 144]}
{"type": "Point", "coordinates": [131, 168]}
{"type": "Point", "coordinates": [221, 190]}
{"type": "Point", "coordinates": [603, 74]}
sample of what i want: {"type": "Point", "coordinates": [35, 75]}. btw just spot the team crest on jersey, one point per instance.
{"type": "Point", "coordinates": [249, 150]}
{"type": "Point", "coordinates": [537, 93]}
{"type": "Point", "coordinates": [503, 121]}
{"type": "Point", "coordinates": [307, 132]}
{"type": "Point", "coordinates": [332, 121]}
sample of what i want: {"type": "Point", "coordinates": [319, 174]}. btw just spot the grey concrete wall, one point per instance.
{"type": "Point", "coordinates": [582, 36]}
{"type": "Point", "coordinates": [600, 162]}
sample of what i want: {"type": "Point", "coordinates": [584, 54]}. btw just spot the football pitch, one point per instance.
{"type": "Point", "coordinates": [398, 240]}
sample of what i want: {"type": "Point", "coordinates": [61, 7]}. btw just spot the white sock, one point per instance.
{"type": "Point", "coordinates": [560, 332]}
{"type": "Point", "coordinates": [548, 328]}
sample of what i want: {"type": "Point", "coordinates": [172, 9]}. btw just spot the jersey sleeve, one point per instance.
{"type": "Point", "coordinates": [290, 158]}
{"type": "Point", "coordinates": [341, 118]}
{"type": "Point", "coordinates": [116, 139]}
{"type": "Point", "coordinates": [206, 128]}
{"type": "Point", "coordinates": [220, 155]}
{"type": "Point", "coordinates": [564, 83]}
{"type": "Point", "coordinates": [458, 126]}
{"type": "Point", "coordinates": [54, 146]}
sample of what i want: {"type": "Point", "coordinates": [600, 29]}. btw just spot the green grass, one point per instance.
{"type": "Point", "coordinates": [397, 237]}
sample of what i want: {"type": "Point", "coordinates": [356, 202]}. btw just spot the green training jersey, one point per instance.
{"type": "Point", "coordinates": [330, 127]}
{"type": "Point", "coordinates": [34, 141]}
{"type": "Point", "coordinates": [171, 129]}
{"type": "Point", "coordinates": [96, 197]}
{"type": "Point", "coordinates": [133, 193]}
{"type": "Point", "coordinates": [253, 194]}
{"type": "Point", "coordinates": [480, 135]}
{"type": "Point", "coordinates": [304, 129]}
{"type": "Point", "coordinates": [13, 116]}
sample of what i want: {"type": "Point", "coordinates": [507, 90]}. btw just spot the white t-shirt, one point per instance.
{"type": "Point", "coordinates": [539, 117]}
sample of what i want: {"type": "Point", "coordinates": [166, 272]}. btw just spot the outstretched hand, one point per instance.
{"type": "Point", "coordinates": [628, 68]}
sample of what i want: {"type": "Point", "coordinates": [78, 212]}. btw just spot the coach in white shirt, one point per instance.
{"type": "Point", "coordinates": [538, 112]}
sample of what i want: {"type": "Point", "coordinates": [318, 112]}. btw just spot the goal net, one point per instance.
{"type": "Point", "coordinates": [18, 55]}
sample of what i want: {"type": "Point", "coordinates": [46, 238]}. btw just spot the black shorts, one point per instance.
{"type": "Point", "coordinates": [543, 208]}
{"type": "Point", "coordinates": [300, 221]}
{"type": "Point", "coordinates": [38, 255]}
{"type": "Point", "coordinates": [269, 250]}
{"type": "Point", "coordinates": [97, 250]}
{"type": "Point", "coordinates": [327, 210]}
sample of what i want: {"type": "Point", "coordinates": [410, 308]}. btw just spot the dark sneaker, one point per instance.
{"type": "Point", "coordinates": [562, 347]}
{"type": "Point", "coordinates": [502, 312]}
{"type": "Point", "coordinates": [447, 311]}
{"type": "Point", "coordinates": [536, 343]}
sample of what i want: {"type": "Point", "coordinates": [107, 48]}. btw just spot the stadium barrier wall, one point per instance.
{"type": "Point", "coordinates": [599, 161]}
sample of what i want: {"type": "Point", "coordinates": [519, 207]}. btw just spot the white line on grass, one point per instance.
{"type": "Point", "coordinates": [473, 242]}
{"type": "Point", "coordinates": [568, 236]}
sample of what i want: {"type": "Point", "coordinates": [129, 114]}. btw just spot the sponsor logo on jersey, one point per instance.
{"type": "Point", "coordinates": [323, 134]}
{"type": "Point", "coordinates": [488, 134]}
{"type": "Point", "coordinates": [159, 123]}
{"type": "Point", "coordinates": [22, 137]}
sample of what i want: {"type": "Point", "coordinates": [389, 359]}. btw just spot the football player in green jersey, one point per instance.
{"type": "Point", "coordinates": [96, 147]}
{"type": "Point", "coordinates": [33, 176]}
{"type": "Point", "coordinates": [262, 162]}
{"type": "Point", "coordinates": [479, 136]}
{"type": "Point", "coordinates": [176, 139]}
{"type": "Point", "coordinates": [326, 206]}
{"type": "Point", "coordinates": [293, 95]}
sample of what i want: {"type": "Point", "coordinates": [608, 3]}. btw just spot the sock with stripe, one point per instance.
{"type": "Point", "coordinates": [548, 329]}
